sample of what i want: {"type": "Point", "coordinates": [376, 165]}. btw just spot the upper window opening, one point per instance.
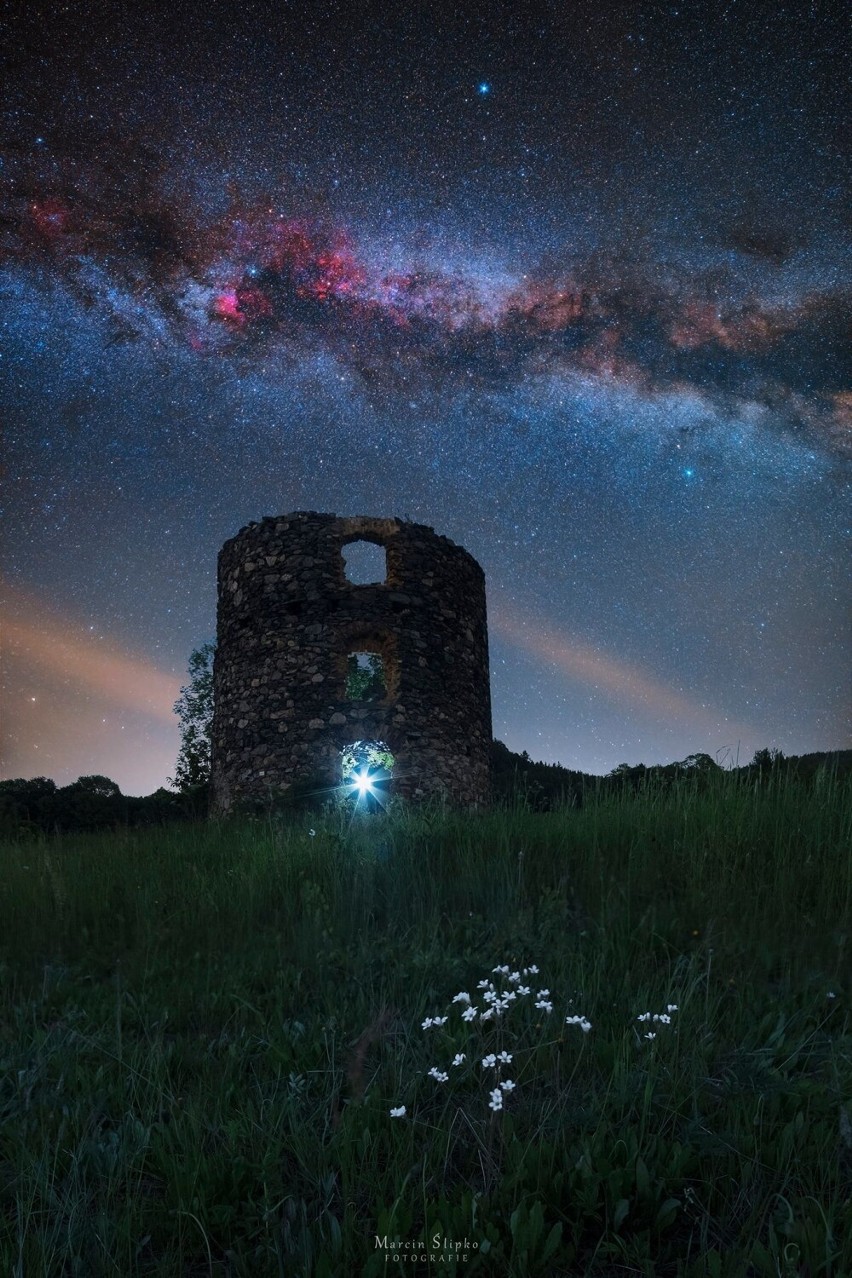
{"type": "Point", "coordinates": [365, 563]}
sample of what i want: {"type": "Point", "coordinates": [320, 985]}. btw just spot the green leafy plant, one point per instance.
{"type": "Point", "coordinates": [372, 755]}
{"type": "Point", "coordinates": [365, 676]}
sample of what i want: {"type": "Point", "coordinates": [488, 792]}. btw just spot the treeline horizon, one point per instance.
{"type": "Point", "coordinates": [39, 805]}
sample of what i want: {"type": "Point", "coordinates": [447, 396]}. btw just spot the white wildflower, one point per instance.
{"type": "Point", "coordinates": [496, 1102]}
{"type": "Point", "coordinates": [440, 1020]}
{"type": "Point", "coordinates": [514, 977]}
{"type": "Point", "coordinates": [507, 1085]}
{"type": "Point", "coordinates": [489, 1061]}
{"type": "Point", "coordinates": [439, 1075]}
{"type": "Point", "coordinates": [399, 1112]}
{"type": "Point", "coordinates": [469, 1013]}
{"type": "Point", "coordinates": [428, 1023]}
{"type": "Point", "coordinates": [544, 1005]}
{"type": "Point", "coordinates": [585, 1025]}
{"type": "Point", "coordinates": [543, 994]}
{"type": "Point", "coordinates": [532, 970]}
{"type": "Point", "coordinates": [671, 1007]}
{"type": "Point", "coordinates": [462, 997]}
{"type": "Point", "coordinates": [645, 1016]}
{"type": "Point", "coordinates": [486, 1016]}
{"type": "Point", "coordinates": [650, 1035]}
{"type": "Point", "coordinates": [505, 1057]}
{"type": "Point", "coordinates": [523, 989]}
{"type": "Point", "coordinates": [459, 1058]}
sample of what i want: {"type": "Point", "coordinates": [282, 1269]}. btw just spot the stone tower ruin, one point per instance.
{"type": "Point", "coordinates": [289, 622]}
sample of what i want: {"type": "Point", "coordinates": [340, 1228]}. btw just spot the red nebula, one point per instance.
{"type": "Point", "coordinates": [338, 275]}
{"type": "Point", "coordinates": [253, 304]}
{"type": "Point", "coordinates": [308, 260]}
{"type": "Point", "coordinates": [227, 307]}
{"type": "Point", "coordinates": [699, 324]}
{"type": "Point", "coordinates": [747, 330]}
{"type": "Point", "coordinates": [50, 217]}
{"type": "Point", "coordinates": [242, 305]}
{"type": "Point", "coordinates": [285, 247]}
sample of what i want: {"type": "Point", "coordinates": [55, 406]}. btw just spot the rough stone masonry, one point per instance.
{"type": "Point", "coordinates": [288, 620]}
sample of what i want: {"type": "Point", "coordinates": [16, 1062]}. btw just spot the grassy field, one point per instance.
{"type": "Point", "coordinates": [203, 1031]}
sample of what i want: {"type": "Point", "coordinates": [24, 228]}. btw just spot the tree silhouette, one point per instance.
{"type": "Point", "coordinates": [101, 787]}
{"type": "Point", "coordinates": [767, 760]}
{"type": "Point", "coordinates": [194, 708]}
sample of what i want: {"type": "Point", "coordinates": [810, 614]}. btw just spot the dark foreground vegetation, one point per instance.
{"type": "Point", "coordinates": [38, 805]}
{"type": "Point", "coordinates": [204, 1028]}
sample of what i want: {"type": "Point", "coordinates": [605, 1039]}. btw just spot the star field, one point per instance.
{"type": "Point", "coordinates": [569, 286]}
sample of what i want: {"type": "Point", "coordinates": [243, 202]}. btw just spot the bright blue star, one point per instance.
{"type": "Point", "coordinates": [484, 87]}
{"type": "Point", "coordinates": [688, 472]}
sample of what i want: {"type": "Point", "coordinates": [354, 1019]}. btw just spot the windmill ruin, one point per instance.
{"type": "Point", "coordinates": [310, 662]}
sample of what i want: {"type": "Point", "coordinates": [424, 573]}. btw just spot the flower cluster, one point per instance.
{"type": "Point", "coordinates": [505, 1085]}
{"type": "Point", "coordinates": [497, 998]}
{"type": "Point", "coordinates": [657, 1018]}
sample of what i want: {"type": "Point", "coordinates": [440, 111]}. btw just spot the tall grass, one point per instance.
{"type": "Point", "coordinates": [203, 1029]}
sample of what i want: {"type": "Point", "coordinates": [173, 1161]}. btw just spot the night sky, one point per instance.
{"type": "Point", "coordinates": [568, 282]}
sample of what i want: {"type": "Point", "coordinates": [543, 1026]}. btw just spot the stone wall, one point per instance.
{"type": "Point", "coordinates": [288, 619]}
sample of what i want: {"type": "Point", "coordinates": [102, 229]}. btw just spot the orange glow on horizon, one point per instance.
{"type": "Point", "coordinates": [75, 703]}
{"type": "Point", "coordinates": [618, 680]}
{"type": "Point", "coordinates": [55, 648]}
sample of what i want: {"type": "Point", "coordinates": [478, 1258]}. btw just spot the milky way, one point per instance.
{"type": "Point", "coordinates": [264, 275]}
{"type": "Point", "coordinates": [571, 288]}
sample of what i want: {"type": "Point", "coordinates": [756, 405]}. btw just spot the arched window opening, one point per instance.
{"type": "Point", "coordinates": [365, 677]}
{"type": "Point", "coordinates": [365, 563]}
